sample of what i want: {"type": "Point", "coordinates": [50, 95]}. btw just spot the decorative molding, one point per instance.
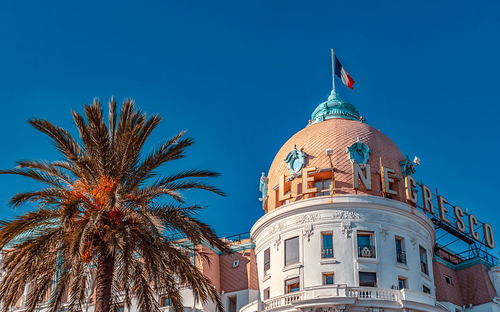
{"type": "Point", "coordinates": [308, 231]}
{"type": "Point", "coordinates": [358, 152]}
{"type": "Point", "coordinates": [277, 228]}
{"type": "Point", "coordinates": [345, 214]}
{"type": "Point", "coordinates": [296, 160]}
{"type": "Point", "coordinates": [413, 241]}
{"type": "Point", "coordinates": [277, 241]}
{"type": "Point", "coordinates": [335, 308]}
{"type": "Point", "coordinates": [346, 228]}
{"type": "Point", "coordinates": [308, 218]}
{"type": "Point", "coordinates": [407, 166]}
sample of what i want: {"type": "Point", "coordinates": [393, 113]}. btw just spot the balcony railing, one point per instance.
{"type": "Point", "coordinates": [401, 256]}
{"type": "Point", "coordinates": [342, 291]}
{"type": "Point", "coordinates": [326, 253]}
{"type": "Point", "coordinates": [373, 293]}
{"type": "Point", "coordinates": [284, 300]}
{"type": "Point", "coordinates": [366, 252]}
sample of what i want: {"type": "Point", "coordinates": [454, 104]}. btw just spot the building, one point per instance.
{"type": "Point", "coordinates": [345, 229]}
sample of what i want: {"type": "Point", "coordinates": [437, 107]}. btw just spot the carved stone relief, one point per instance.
{"type": "Point", "coordinates": [346, 228]}
{"type": "Point", "coordinates": [308, 218]}
{"type": "Point", "coordinates": [277, 228]}
{"type": "Point", "coordinates": [308, 231]}
{"type": "Point", "coordinates": [277, 241]}
{"type": "Point", "coordinates": [344, 214]}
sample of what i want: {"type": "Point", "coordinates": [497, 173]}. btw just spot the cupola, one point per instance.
{"type": "Point", "coordinates": [335, 107]}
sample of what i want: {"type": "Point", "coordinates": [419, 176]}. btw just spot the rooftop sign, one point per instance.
{"type": "Point", "coordinates": [451, 218]}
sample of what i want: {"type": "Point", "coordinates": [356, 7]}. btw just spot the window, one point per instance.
{"type": "Point", "coordinates": [366, 246]}
{"type": "Point", "coordinates": [323, 187]}
{"type": "Point", "coordinates": [286, 201]}
{"type": "Point", "coordinates": [291, 251]}
{"type": "Point", "coordinates": [232, 303]}
{"type": "Point", "coordinates": [327, 248]}
{"type": "Point", "coordinates": [402, 282]}
{"type": "Point", "coordinates": [120, 308]}
{"type": "Point", "coordinates": [426, 289]}
{"type": "Point", "coordinates": [368, 279]}
{"type": "Point", "coordinates": [165, 301]}
{"type": "Point", "coordinates": [328, 279]}
{"type": "Point", "coordinates": [267, 260]}
{"type": "Point", "coordinates": [292, 285]}
{"type": "Point", "coordinates": [423, 260]}
{"type": "Point", "coordinates": [400, 250]}
{"type": "Point", "coordinates": [267, 293]}
{"type": "Point", "coordinates": [448, 279]}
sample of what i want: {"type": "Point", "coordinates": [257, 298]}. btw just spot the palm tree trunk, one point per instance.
{"type": "Point", "coordinates": [104, 280]}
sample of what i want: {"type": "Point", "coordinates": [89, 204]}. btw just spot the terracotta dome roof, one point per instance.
{"type": "Point", "coordinates": [337, 134]}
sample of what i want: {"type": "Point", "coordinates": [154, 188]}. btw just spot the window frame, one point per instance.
{"type": "Point", "coordinates": [285, 251]}
{"type": "Point", "coordinates": [376, 278]}
{"type": "Point", "coordinates": [288, 289]}
{"type": "Point", "coordinates": [405, 282]}
{"type": "Point", "coordinates": [324, 276]}
{"type": "Point", "coordinates": [320, 185]}
{"type": "Point", "coordinates": [162, 300]}
{"type": "Point", "coordinates": [448, 279]}
{"type": "Point", "coordinates": [266, 293]}
{"type": "Point", "coordinates": [371, 246]}
{"type": "Point", "coordinates": [332, 254]}
{"type": "Point", "coordinates": [267, 264]}
{"type": "Point", "coordinates": [424, 265]}
{"type": "Point", "coordinates": [401, 254]}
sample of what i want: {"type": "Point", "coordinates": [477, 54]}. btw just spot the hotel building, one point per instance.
{"type": "Point", "coordinates": [345, 229]}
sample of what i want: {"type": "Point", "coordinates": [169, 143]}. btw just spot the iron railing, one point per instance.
{"type": "Point", "coordinates": [366, 252]}
{"type": "Point", "coordinates": [401, 256]}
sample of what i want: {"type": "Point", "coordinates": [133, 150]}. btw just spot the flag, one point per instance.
{"type": "Point", "coordinates": [340, 71]}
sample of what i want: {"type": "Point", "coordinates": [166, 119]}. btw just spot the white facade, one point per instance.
{"type": "Point", "coordinates": [345, 216]}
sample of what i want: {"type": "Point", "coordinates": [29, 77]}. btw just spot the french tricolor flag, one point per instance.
{"type": "Point", "coordinates": [340, 71]}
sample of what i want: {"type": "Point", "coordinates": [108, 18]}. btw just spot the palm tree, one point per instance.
{"type": "Point", "coordinates": [104, 218]}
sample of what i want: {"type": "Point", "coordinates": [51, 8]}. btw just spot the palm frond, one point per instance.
{"type": "Point", "coordinates": [99, 234]}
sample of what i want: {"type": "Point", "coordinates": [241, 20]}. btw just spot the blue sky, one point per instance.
{"type": "Point", "coordinates": [242, 77]}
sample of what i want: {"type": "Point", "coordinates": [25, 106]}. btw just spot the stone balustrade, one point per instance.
{"type": "Point", "coordinates": [343, 291]}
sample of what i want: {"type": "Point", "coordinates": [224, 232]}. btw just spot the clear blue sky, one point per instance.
{"type": "Point", "coordinates": [243, 77]}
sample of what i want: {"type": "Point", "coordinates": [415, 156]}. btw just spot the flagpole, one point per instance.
{"type": "Point", "coordinates": [333, 70]}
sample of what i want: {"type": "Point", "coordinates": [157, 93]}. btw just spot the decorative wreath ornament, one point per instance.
{"type": "Point", "coordinates": [359, 152]}
{"type": "Point", "coordinates": [296, 160]}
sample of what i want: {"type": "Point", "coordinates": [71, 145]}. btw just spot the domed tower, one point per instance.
{"type": "Point", "coordinates": [340, 231]}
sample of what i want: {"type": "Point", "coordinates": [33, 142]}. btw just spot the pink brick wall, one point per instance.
{"type": "Point", "coordinates": [210, 268]}
{"type": "Point", "coordinates": [476, 285]}
{"type": "Point", "coordinates": [444, 291]}
{"type": "Point", "coordinates": [470, 285]}
{"type": "Point", "coordinates": [242, 277]}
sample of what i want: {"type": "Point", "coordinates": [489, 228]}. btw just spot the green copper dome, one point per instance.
{"type": "Point", "coordinates": [335, 107]}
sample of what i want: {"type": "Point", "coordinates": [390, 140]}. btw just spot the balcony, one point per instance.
{"type": "Point", "coordinates": [341, 294]}
{"type": "Point", "coordinates": [327, 253]}
{"type": "Point", "coordinates": [366, 252]}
